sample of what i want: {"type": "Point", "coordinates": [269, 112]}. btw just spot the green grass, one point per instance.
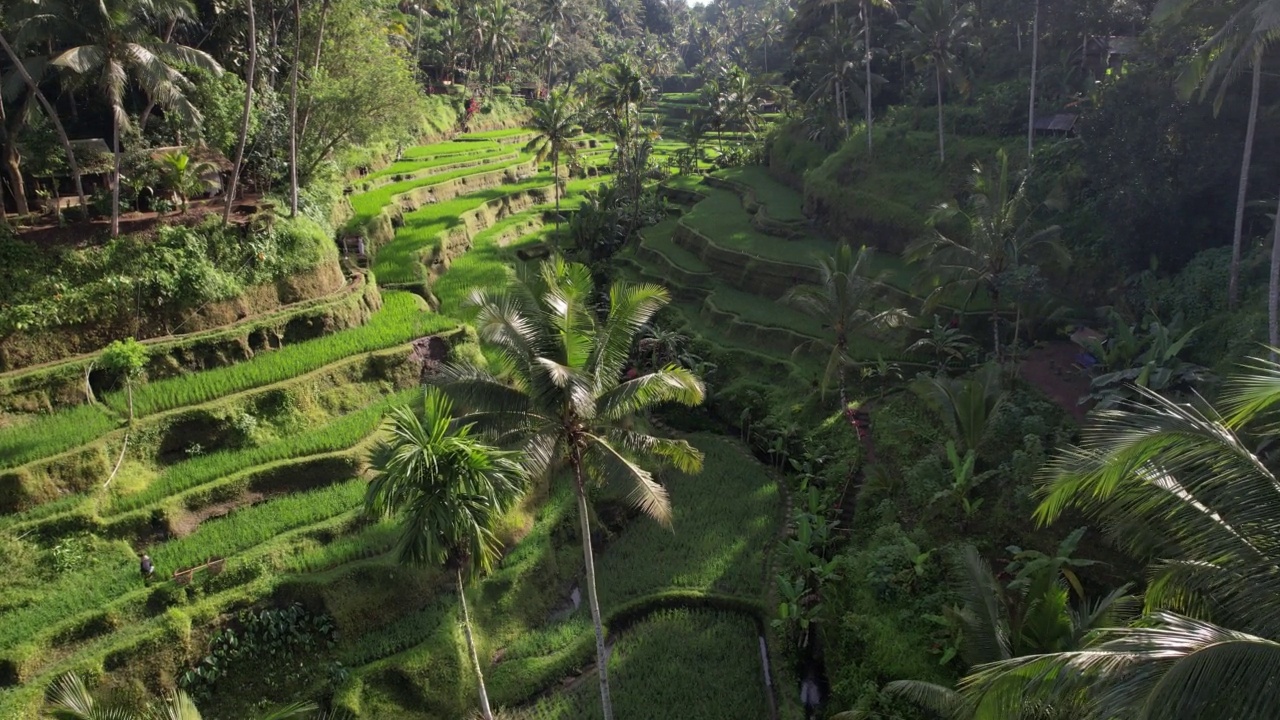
{"type": "Point", "coordinates": [344, 432]}
{"type": "Point", "coordinates": [51, 433]}
{"type": "Point", "coordinates": [115, 574]}
{"type": "Point", "coordinates": [497, 134]}
{"type": "Point", "coordinates": [400, 260]}
{"type": "Point", "coordinates": [658, 237]}
{"type": "Point", "coordinates": [724, 518]}
{"type": "Point", "coordinates": [367, 205]}
{"type": "Point", "coordinates": [675, 663]}
{"type": "Point", "coordinates": [401, 319]}
{"type": "Point", "coordinates": [782, 203]}
{"type": "Point", "coordinates": [255, 525]}
{"type": "Point", "coordinates": [452, 147]}
{"type": "Point", "coordinates": [408, 165]}
{"type": "Point", "coordinates": [721, 217]}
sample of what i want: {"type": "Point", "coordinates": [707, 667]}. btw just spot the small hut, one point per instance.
{"type": "Point", "coordinates": [1059, 124]}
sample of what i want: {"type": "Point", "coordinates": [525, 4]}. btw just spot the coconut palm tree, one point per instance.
{"type": "Point", "coordinates": [937, 31]}
{"type": "Point", "coordinates": [562, 399]}
{"type": "Point", "coordinates": [843, 301]}
{"type": "Point", "coordinates": [70, 699]}
{"type": "Point", "coordinates": [51, 113]}
{"type": "Point", "coordinates": [451, 491]}
{"type": "Point", "coordinates": [246, 116]}
{"type": "Point", "coordinates": [866, 59]}
{"type": "Point", "coordinates": [1239, 44]}
{"type": "Point", "coordinates": [119, 47]}
{"type": "Point", "coordinates": [1194, 488]}
{"type": "Point", "coordinates": [999, 239]}
{"type": "Point", "coordinates": [545, 48]}
{"type": "Point", "coordinates": [183, 176]}
{"type": "Point", "coordinates": [557, 121]}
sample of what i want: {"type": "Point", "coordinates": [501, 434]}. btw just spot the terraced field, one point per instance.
{"type": "Point", "coordinates": [256, 460]}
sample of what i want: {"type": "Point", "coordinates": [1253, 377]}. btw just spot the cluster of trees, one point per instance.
{"type": "Point", "coordinates": [277, 87]}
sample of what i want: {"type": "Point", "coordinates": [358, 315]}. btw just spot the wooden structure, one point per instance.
{"type": "Point", "coordinates": [1062, 124]}
{"type": "Point", "coordinates": [1100, 53]}
{"type": "Point", "coordinates": [213, 566]}
{"type": "Point", "coordinates": [355, 245]}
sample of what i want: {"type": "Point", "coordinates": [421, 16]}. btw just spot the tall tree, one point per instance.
{"type": "Point", "coordinates": [450, 491]}
{"type": "Point", "coordinates": [250, 68]}
{"type": "Point", "coordinates": [998, 223]}
{"type": "Point", "coordinates": [843, 301]}
{"type": "Point", "coordinates": [1239, 44]}
{"type": "Point", "coordinates": [866, 58]}
{"type": "Point", "coordinates": [563, 399]}
{"type": "Point", "coordinates": [938, 32]}
{"type": "Point", "coordinates": [52, 114]}
{"type": "Point", "coordinates": [1031, 103]}
{"type": "Point", "coordinates": [1187, 485]}
{"type": "Point", "coordinates": [293, 109]}
{"type": "Point", "coordinates": [556, 122]}
{"type": "Point", "coordinates": [119, 47]}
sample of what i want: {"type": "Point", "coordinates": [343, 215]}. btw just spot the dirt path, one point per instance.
{"type": "Point", "coordinates": [187, 523]}
{"type": "Point", "coordinates": [1050, 368]}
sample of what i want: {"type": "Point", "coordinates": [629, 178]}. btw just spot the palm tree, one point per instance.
{"type": "Point", "coordinates": [562, 399]}
{"type": "Point", "coordinates": [999, 239]}
{"type": "Point", "coordinates": [452, 490]}
{"type": "Point", "coordinates": [52, 114]}
{"type": "Point", "coordinates": [497, 22]}
{"type": "Point", "coordinates": [183, 176]}
{"type": "Point", "coordinates": [937, 30]}
{"type": "Point", "coordinates": [293, 106]}
{"type": "Point", "coordinates": [70, 699]}
{"type": "Point", "coordinates": [1188, 485]}
{"type": "Point", "coordinates": [1031, 614]}
{"type": "Point", "coordinates": [843, 301]}
{"type": "Point", "coordinates": [120, 47]}
{"type": "Point", "coordinates": [866, 60]}
{"type": "Point", "coordinates": [965, 405]}
{"type": "Point", "coordinates": [545, 48]}
{"type": "Point", "coordinates": [1240, 43]}
{"type": "Point", "coordinates": [769, 30]}
{"type": "Point", "coordinates": [837, 74]}
{"type": "Point", "coordinates": [246, 116]}
{"type": "Point", "coordinates": [556, 121]}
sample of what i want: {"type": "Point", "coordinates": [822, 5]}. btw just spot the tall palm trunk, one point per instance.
{"type": "Point", "coordinates": [115, 171]}
{"type": "Point", "coordinates": [1233, 281]}
{"type": "Point", "coordinates": [417, 44]}
{"type": "Point", "coordinates": [584, 523]}
{"type": "Point", "coordinates": [471, 646]}
{"type": "Point", "coordinates": [315, 64]}
{"type": "Point", "coordinates": [1273, 296]}
{"type": "Point", "coordinates": [866, 40]}
{"type": "Point", "coordinates": [53, 118]}
{"type": "Point", "coordinates": [555, 161]}
{"type": "Point", "coordinates": [1031, 105]}
{"type": "Point", "coordinates": [293, 109]}
{"type": "Point", "coordinates": [942, 148]}
{"type": "Point", "coordinates": [248, 110]}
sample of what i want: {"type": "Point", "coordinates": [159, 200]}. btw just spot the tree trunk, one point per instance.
{"type": "Point", "coordinates": [417, 44]}
{"type": "Point", "coordinates": [244, 119]}
{"type": "Point", "coordinates": [53, 118]}
{"type": "Point", "coordinates": [471, 646]}
{"type": "Point", "coordinates": [17, 187]}
{"type": "Point", "coordinates": [942, 149]}
{"type": "Point", "coordinates": [315, 64]}
{"type": "Point", "coordinates": [115, 172]}
{"type": "Point", "coordinates": [1031, 106]}
{"type": "Point", "coordinates": [293, 109]}
{"type": "Point", "coordinates": [555, 161]}
{"type": "Point", "coordinates": [584, 523]}
{"type": "Point", "coordinates": [866, 39]}
{"type": "Point", "coordinates": [1233, 281]}
{"type": "Point", "coordinates": [128, 385]}
{"type": "Point", "coordinates": [1273, 296]}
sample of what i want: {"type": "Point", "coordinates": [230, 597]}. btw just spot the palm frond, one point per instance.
{"type": "Point", "coordinates": [608, 465]}
{"type": "Point", "coordinates": [670, 384]}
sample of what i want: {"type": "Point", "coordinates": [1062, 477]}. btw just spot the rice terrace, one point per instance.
{"type": "Point", "coordinates": [557, 360]}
